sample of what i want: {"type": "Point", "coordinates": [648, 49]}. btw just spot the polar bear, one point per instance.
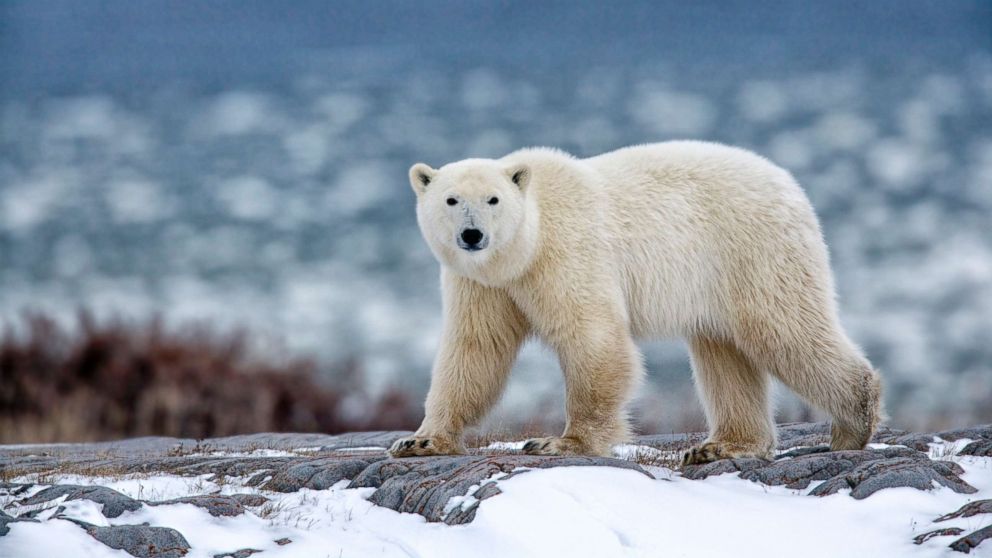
{"type": "Point", "coordinates": [688, 239]}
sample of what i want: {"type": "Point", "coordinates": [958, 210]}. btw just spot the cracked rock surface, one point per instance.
{"type": "Point", "coordinates": [114, 503]}
{"type": "Point", "coordinates": [424, 485]}
{"type": "Point", "coordinates": [447, 489]}
{"type": "Point", "coordinates": [970, 541]}
{"type": "Point", "coordinates": [982, 448]}
{"type": "Point", "coordinates": [140, 540]}
{"type": "Point", "coordinates": [968, 510]}
{"type": "Point", "coordinates": [863, 472]}
{"type": "Point", "coordinates": [216, 505]}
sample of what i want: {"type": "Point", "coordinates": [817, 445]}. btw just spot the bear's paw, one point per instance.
{"type": "Point", "coordinates": [708, 452]}
{"type": "Point", "coordinates": [555, 445]}
{"type": "Point", "coordinates": [419, 446]}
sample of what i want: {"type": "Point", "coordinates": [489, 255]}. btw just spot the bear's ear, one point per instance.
{"type": "Point", "coordinates": [520, 175]}
{"type": "Point", "coordinates": [420, 176]}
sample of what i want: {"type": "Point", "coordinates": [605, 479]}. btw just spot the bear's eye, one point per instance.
{"type": "Point", "coordinates": [493, 200]}
{"type": "Point", "coordinates": [452, 201]}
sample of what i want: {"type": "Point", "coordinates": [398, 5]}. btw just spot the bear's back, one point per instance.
{"type": "Point", "coordinates": [685, 218]}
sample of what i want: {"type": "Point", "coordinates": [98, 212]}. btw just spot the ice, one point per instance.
{"type": "Point", "coordinates": [673, 112]}
{"type": "Point", "coordinates": [238, 112]}
{"type": "Point", "coordinates": [287, 210]}
{"type": "Point", "coordinates": [248, 197]}
{"type": "Point", "coordinates": [762, 101]}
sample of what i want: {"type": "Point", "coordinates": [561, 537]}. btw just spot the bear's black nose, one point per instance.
{"type": "Point", "coordinates": [471, 236]}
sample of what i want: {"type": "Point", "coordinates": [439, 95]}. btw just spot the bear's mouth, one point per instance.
{"type": "Point", "coordinates": [473, 247]}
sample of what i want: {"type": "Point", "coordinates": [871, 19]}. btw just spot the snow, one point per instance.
{"type": "Point", "coordinates": [465, 502]}
{"type": "Point", "coordinates": [54, 538]}
{"type": "Point", "coordinates": [507, 445]}
{"type": "Point", "coordinates": [566, 511]}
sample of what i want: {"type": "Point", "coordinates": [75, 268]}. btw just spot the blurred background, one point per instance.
{"type": "Point", "coordinates": [206, 226]}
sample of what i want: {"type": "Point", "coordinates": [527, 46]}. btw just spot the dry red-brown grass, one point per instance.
{"type": "Point", "coordinates": [112, 378]}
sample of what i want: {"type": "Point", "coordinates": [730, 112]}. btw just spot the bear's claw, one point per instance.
{"type": "Point", "coordinates": [415, 446]}
{"type": "Point", "coordinates": [553, 445]}
{"type": "Point", "coordinates": [703, 453]}
{"type": "Point", "coordinates": [533, 446]}
{"type": "Point", "coordinates": [708, 452]}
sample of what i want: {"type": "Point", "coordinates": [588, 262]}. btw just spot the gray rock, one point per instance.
{"type": "Point", "coordinates": [983, 432]}
{"type": "Point", "coordinates": [250, 500]}
{"type": "Point", "coordinates": [801, 434]}
{"type": "Point", "coordinates": [800, 452]}
{"type": "Point", "coordinates": [290, 441]}
{"type": "Point", "coordinates": [797, 472]}
{"type": "Point", "coordinates": [795, 469]}
{"type": "Point", "coordinates": [161, 446]}
{"type": "Point", "coordinates": [869, 477]}
{"type": "Point", "coordinates": [947, 532]}
{"type": "Point", "coordinates": [916, 441]}
{"type": "Point", "coordinates": [4, 520]}
{"type": "Point", "coordinates": [318, 474]}
{"type": "Point", "coordinates": [258, 478]}
{"type": "Point", "coordinates": [790, 435]}
{"type": "Point", "coordinates": [968, 510]}
{"type": "Point", "coordinates": [670, 442]}
{"type": "Point", "coordinates": [140, 540]}
{"type": "Point", "coordinates": [864, 472]}
{"type": "Point", "coordinates": [968, 542]}
{"type": "Point", "coordinates": [32, 514]}
{"type": "Point", "coordinates": [381, 439]}
{"type": "Point", "coordinates": [424, 485]}
{"type": "Point", "coordinates": [189, 457]}
{"type": "Point", "coordinates": [982, 448]}
{"type": "Point", "coordinates": [215, 505]}
{"type": "Point", "coordinates": [243, 553]}
{"type": "Point", "coordinates": [14, 488]}
{"type": "Point", "coordinates": [921, 442]}
{"type": "Point", "coordinates": [723, 466]}
{"type": "Point", "coordinates": [114, 503]}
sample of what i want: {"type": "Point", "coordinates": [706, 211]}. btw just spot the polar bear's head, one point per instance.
{"type": "Point", "coordinates": [472, 211]}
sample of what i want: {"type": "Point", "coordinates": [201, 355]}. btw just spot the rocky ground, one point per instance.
{"type": "Point", "coordinates": [245, 475]}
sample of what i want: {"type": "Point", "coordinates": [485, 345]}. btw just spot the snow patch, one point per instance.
{"type": "Point", "coordinates": [565, 511]}
{"type": "Point", "coordinates": [468, 500]}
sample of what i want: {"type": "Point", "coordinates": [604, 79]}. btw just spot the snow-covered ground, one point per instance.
{"type": "Point", "coordinates": [565, 511]}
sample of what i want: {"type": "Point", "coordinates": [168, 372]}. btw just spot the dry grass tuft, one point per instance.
{"type": "Point", "coordinates": [118, 379]}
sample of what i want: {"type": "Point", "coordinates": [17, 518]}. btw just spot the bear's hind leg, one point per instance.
{"type": "Point", "coordinates": [856, 416]}
{"type": "Point", "coordinates": [834, 376]}
{"type": "Point", "coordinates": [735, 395]}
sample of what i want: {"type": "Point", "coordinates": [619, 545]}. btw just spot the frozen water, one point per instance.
{"type": "Point", "coordinates": [281, 203]}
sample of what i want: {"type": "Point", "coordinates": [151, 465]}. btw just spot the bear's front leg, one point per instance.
{"type": "Point", "coordinates": [601, 366]}
{"type": "Point", "coordinates": [482, 333]}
